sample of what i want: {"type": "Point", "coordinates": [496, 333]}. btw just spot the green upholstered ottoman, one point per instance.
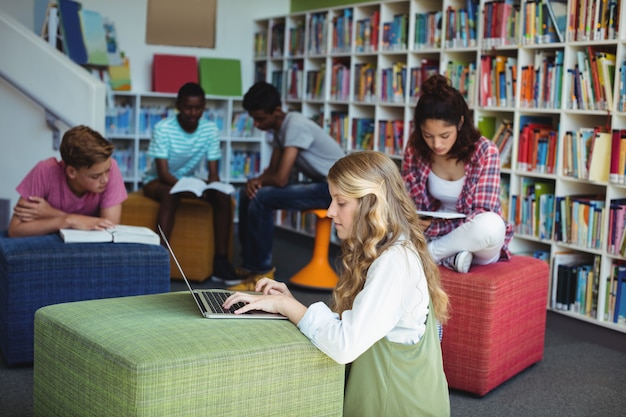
{"type": "Point", "coordinates": [154, 355]}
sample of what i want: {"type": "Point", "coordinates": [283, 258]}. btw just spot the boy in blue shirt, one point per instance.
{"type": "Point", "coordinates": [179, 145]}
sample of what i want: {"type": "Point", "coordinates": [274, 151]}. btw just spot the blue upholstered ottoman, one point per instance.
{"type": "Point", "coordinates": [43, 270]}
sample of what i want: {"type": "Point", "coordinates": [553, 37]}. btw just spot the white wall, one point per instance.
{"type": "Point", "coordinates": [233, 38]}
{"type": "Point", "coordinates": [24, 137]}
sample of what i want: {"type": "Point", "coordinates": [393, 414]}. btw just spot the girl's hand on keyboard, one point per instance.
{"type": "Point", "coordinates": [284, 304]}
{"type": "Point", "coordinates": [270, 287]}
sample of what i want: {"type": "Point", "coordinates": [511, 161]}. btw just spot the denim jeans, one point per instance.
{"type": "Point", "coordinates": [256, 218]}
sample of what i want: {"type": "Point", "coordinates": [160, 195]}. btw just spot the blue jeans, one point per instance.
{"type": "Point", "coordinates": [256, 218]}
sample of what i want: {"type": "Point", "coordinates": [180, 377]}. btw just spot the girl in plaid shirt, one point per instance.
{"type": "Point", "coordinates": [449, 166]}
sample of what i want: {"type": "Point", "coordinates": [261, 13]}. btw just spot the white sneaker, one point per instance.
{"type": "Point", "coordinates": [460, 262]}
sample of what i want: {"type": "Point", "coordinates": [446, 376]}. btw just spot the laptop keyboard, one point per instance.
{"type": "Point", "coordinates": [215, 300]}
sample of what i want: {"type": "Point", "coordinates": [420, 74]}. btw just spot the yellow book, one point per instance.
{"type": "Point", "coordinates": [600, 157]}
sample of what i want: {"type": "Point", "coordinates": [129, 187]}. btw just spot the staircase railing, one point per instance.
{"type": "Point", "coordinates": [68, 93]}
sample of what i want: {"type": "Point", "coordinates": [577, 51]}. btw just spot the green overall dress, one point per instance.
{"type": "Point", "coordinates": [395, 380]}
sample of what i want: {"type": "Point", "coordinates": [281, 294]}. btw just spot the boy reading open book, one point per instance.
{"type": "Point", "coordinates": [179, 145]}
{"type": "Point", "coordinates": [84, 190]}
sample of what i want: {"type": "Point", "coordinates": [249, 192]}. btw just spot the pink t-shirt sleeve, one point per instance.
{"type": "Point", "coordinates": [42, 180]}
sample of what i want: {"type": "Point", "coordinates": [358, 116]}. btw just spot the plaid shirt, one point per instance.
{"type": "Point", "coordinates": [480, 192]}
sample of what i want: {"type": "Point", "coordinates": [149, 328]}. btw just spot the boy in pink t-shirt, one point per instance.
{"type": "Point", "coordinates": [84, 190]}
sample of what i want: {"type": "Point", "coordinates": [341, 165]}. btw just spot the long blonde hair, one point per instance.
{"type": "Point", "coordinates": [385, 213]}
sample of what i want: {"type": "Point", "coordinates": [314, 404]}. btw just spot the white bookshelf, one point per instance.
{"type": "Point", "coordinates": [269, 61]}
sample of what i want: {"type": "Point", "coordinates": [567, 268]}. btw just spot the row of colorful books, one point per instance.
{"type": "Point", "coordinates": [391, 136]}
{"type": "Point", "coordinates": [340, 82]}
{"type": "Point", "coordinates": [315, 80]}
{"type": "Point", "coordinates": [342, 30]}
{"type": "Point", "coordinates": [503, 138]}
{"type": "Point", "coordinates": [295, 80]}
{"type": "Point", "coordinates": [575, 220]}
{"type": "Point", "coordinates": [365, 88]}
{"type": "Point", "coordinates": [462, 76]}
{"type": "Point", "coordinates": [575, 283]}
{"type": "Point", "coordinates": [541, 21]}
{"type": "Point", "coordinates": [242, 125]}
{"type": "Point", "coordinates": [498, 78]}
{"type": "Point", "coordinates": [531, 212]}
{"type": "Point", "coordinates": [338, 127]}
{"type": "Point", "coordinates": [318, 34]}
{"type": "Point", "coordinates": [393, 83]}
{"type": "Point", "coordinates": [544, 21]}
{"type": "Point", "coordinates": [590, 83]}
{"type": "Point", "coordinates": [500, 23]}
{"type": "Point", "coordinates": [536, 152]}
{"type": "Point", "coordinates": [592, 20]}
{"type": "Point", "coordinates": [244, 164]}
{"type": "Point", "coordinates": [460, 26]}
{"type": "Point", "coordinates": [419, 74]}
{"type": "Point", "coordinates": [395, 33]}
{"type": "Point", "coordinates": [366, 33]}
{"type": "Point", "coordinates": [121, 119]}
{"type": "Point", "coordinates": [542, 83]}
{"type": "Point", "coordinates": [428, 30]}
{"type": "Point", "coordinates": [362, 137]}
{"type": "Point", "coordinates": [576, 286]}
{"type": "Point", "coordinates": [277, 39]}
{"type": "Point", "coordinates": [296, 39]}
{"type": "Point", "coordinates": [587, 154]}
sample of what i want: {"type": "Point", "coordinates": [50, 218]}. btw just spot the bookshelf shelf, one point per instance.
{"type": "Point", "coordinates": [537, 85]}
{"type": "Point", "coordinates": [129, 123]}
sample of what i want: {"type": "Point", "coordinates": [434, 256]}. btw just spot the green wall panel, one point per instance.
{"type": "Point", "coordinates": [304, 5]}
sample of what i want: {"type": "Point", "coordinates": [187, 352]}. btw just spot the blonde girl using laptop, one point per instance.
{"type": "Point", "coordinates": [383, 320]}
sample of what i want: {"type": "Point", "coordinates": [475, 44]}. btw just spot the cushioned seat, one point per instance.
{"type": "Point", "coordinates": [155, 355]}
{"type": "Point", "coordinates": [497, 323]}
{"type": "Point", "coordinates": [192, 238]}
{"type": "Point", "coordinates": [42, 270]}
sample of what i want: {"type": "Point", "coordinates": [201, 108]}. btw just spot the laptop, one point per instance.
{"type": "Point", "coordinates": [209, 301]}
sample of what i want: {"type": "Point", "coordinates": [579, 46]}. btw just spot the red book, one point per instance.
{"type": "Point", "coordinates": [170, 72]}
{"type": "Point", "coordinates": [551, 167]}
{"type": "Point", "coordinates": [526, 144]}
{"type": "Point", "coordinates": [615, 154]}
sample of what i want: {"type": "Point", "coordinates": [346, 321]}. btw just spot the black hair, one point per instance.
{"type": "Point", "coordinates": [262, 96]}
{"type": "Point", "coordinates": [441, 101]}
{"type": "Point", "coordinates": [190, 90]}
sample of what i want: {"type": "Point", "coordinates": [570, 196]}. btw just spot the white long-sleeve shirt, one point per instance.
{"type": "Point", "coordinates": [393, 304]}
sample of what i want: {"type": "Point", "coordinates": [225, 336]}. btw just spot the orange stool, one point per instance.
{"type": "Point", "coordinates": [318, 273]}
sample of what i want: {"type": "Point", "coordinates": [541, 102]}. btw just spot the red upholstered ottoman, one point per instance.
{"type": "Point", "coordinates": [497, 323]}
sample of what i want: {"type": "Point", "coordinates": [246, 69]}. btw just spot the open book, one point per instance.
{"type": "Point", "coordinates": [198, 186]}
{"type": "Point", "coordinates": [117, 234]}
{"type": "Point", "coordinates": [440, 214]}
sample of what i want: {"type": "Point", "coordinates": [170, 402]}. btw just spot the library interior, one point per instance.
{"type": "Point", "coordinates": [544, 81]}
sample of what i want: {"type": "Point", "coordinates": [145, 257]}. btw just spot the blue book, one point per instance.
{"type": "Point", "coordinates": [73, 42]}
{"type": "Point", "coordinates": [619, 313]}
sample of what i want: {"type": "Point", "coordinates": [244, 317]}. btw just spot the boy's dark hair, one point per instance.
{"type": "Point", "coordinates": [81, 147]}
{"type": "Point", "coordinates": [262, 96]}
{"type": "Point", "coordinates": [190, 90]}
{"type": "Point", "coordinates": [441, 101]}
